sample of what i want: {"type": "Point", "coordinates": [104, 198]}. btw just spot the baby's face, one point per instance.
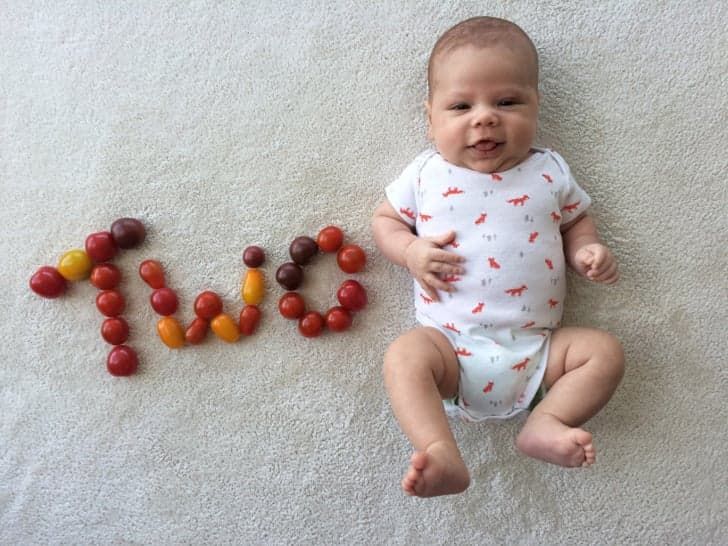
{"type": "Point", "coordinates": [483, 110]}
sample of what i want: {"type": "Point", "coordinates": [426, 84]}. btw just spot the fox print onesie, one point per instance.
{"type": "Point", "coordinates": [511, 295]}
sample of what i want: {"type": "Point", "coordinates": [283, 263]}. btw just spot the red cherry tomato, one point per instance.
{"type": "Point", "coordinates": [330, 238]}
{"type": "Point", "coordinates": [110, 302]}
{"type": "Point", "coordinates": [164, 301]}
{"type": "Point", "coordinates": [208, 305]}
{"type": "Point", "coordinates": [115, 330]}
{"type": "Point", "coordinates": [48, 282]}
{"type": "Point", "coordinates": [197, 331]}
{"type": "Point", "coordinates": [291, 305]}
{"type": "Point", "coordinates": [311, 324]}
{"type": "Point", "coordinates": [352, 295]}
{"type": "Point", "coordinates": [351, 258]}
{"type": "Point", "coordinates": [100, 246]}
{"type": "Point", "coordinates": [105, 276]}
{"type": "Point", "coordinates": [249, 320]}
{"type": "Point", "coordinates": [122, 360]}
{"type": "Point", "coordinates": [152, 273]}
{"type": "Point", "coordinates": [338, 319]}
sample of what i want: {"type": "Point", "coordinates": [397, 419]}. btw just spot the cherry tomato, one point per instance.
{"type": "Point", "coordinates": [122, 360]}
{"type": "Point", "coordinates": [48, 282]}
{"type": "Point", "coordinates": [110, 302]}
{"type": "Point", "coordinates": [351, 258]}
{"type": "Point", "coordinates": [197, 331]}
{"type": "Point", "coordinates": [170, 332]}
{"type": "Point", "coordinates": [225, 328]}
{"type": "Point", "coordinates": [115, 330]}
{"type": "Point", "coordinates": [291, 305]}
{"type": "Point", "coordinates": [105, 276]}
{"type": "Point", "coordinates": [128, 232]}
{"type": "Point", "coordinates": [253, 287]}
{"type": "Point", "coordinates": [311, 324]}
{"type": "Point", "coordinates": [253, 256]}
{"type": "Point", "coordinates": [152, 273]}
{"type": "Point", "coordinates": [75, 265]}
{"type": "Point", "coordinates": [249, 319]}
{"type": "Point", "coordinates": [330, 238]}
{"type": "Point", "coordinates": [208, 305]}
{"type": "Point", "coordinates": [352, 295]}
{"type": "Point", "coordinates": [164, 301]}
{"type": "Point", "coordinates": [338, 319]}
{"type": "Point", "coordinates": [100, 246]}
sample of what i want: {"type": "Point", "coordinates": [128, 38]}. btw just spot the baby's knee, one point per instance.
{"type": "Point", "coordinates": [612, 355]}
{"type": "Point", "coordinates": [408, 354]}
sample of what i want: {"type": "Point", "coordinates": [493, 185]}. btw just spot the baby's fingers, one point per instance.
{"type": "Point", "coordinates": [446, 269]}
{"type": "Point", "coordinates": [437, 255]}
{"type": "Point", "coordinates": [609, 275]}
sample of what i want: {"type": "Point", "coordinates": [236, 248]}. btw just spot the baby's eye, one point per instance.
{"type": "Point", "coordinates": [460, 106]}
{"type": "Point", "coordinates": [506, 102]}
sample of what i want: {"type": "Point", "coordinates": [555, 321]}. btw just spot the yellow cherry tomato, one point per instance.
{"type": "Point", "coordinates": [75, 265]}
{"type": "Point", "coordinates": [171, 332]}
{"type": "Point", "coordinates": [253, 287]}
{"type": "Point", "coordinates": [225, 328]}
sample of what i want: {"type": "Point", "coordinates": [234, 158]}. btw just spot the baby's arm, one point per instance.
{"type": "Point", "coordinates": [422, 256]}
{"type": "Point", "coordinates": [586, 254]}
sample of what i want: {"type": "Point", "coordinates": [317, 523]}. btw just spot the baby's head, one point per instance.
{"type": "Point", "coordinates": [482, 104]}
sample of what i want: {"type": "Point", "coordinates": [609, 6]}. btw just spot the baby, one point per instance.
{"type": "Point", "coordinates": [485, 225]}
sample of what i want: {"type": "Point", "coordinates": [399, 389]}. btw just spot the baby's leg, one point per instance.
{"type": "Point", "coordinates": [420, 369]}
{"type": "Point", "coordinates": [584, 368]}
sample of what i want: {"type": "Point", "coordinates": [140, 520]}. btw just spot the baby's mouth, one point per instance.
{"type": "Point", "coordinates": [486, 145]}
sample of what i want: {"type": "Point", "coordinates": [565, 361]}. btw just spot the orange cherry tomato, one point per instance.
{"type": "Point", "coordinates": [253, 287]}
{"type": "Point", "coordinates": [75, 265]}
{"type": "Point", "coordinates": [249, 320]}
{"type": "Point", "coordinates": [152, 273]}
{"type": "Point", "coordinates": [170, 332]}
{"type": "Point", "coordinates": [225, 328]}
{"type": "Point", "coordinates": [197, 331]}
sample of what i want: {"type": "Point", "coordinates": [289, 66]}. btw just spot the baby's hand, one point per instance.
{"type": "Point", "coordinates": [596, 262]}
{"type": "Point", "coordinates": [426, 261]}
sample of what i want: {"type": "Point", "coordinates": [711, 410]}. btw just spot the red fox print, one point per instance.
{"type": "Point", "coordinates": [517, 292]}
{"type": "Point", "coordinates": [408, 213]}
{"type": "Point", "coordinates": [493, 264]}
{"type": "Point", "coordinates": [427, 299]}
{"type": "Point", "coordinates": [425, 217]}
{"type": "Point", "coordinates": [572, 207]}
{"type": "Point", "coordinates": [521, 365]}
{"type": "Point", "coordinates": [519, 201]}
{"type": "Point", "coordinates": [556, 217]}
{"type": "Point", "coordinates": [548, 178]}
{"type": "Point", "coordinates": [453, 243]}
{"type": "Point", "coordinates": [553, 303]}
{"type": "Point", "coordinates": [489, 387]}
{"type": "Point", "coordinates": [532, 238]}
{"type": "Point", "coordinates": [462, 351]}
{"type": "Point", "coordinates": [528, 324]}
{"type": "Point", "coordinates": [478, 308]}
{"type": "Point", "coordinates": [452, 191]}
{"type": "Point", "coordinates": [496, 177]}
{"type": "Point", "coordinates": [451, 278]}
{"type": "Point", "coordinates": [481, 219]}
{"type": "Point", "coordinates": [450, 326]}
{"type": "Point", "coordinates": [549, 263]}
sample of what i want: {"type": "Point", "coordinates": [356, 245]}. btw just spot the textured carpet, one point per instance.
{"type": "Point", "coordinates": [224, 126]}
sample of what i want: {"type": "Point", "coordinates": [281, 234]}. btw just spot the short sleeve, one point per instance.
{"type": "Point", "coordinates": [402, 193]}
{"type": "Point", "coordinates": [573, 200]}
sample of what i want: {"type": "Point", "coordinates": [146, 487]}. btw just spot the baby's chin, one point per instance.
{"type": "Point", "coordinates": [488, 165]}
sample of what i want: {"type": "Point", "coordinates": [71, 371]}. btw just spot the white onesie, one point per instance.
{"type": "Point", "coordinates": [511, 295]}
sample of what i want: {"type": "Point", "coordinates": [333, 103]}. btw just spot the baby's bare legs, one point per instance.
{"type": "Point", "coordinates": [420, 369]}
{"type": "Point", "coordinates": [584, 368]}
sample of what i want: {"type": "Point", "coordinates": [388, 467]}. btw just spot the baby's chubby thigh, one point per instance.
{"type": "Point", "coordinates": [421, 352]}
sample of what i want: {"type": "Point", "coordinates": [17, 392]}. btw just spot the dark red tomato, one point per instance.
{"type": "Point", "coordinates": [208, 305]}
{"type": "Point", "coordinates": [122, 360]}
{"type": "Point", "coordinates": [352, 295]}
{"type": "Point", "coordinates": [100, 246]}
{"type": "Point", "coordinates": [128, 232]}
{"type": "Point", "coordinates": [253, 256]}
{"type": "Point", "coordinates": [291, 305]}
{"type": "Point", "coordinates": [351, 258]}
{"type": "Point", "coordinates": [330, 239]}
{"type": "Point", "coordinates": [311, 324]}
{"type": "Point", "coordinates": [152, 273]}
{"type": "Point", "coordinates": [105, 276]}
{"type": "Point", "coordinates": [338, 319]}
{"type": "Point", "coordinates": [110, 302]}
{"type": "Point", "coordinates": [115, 330]}
{"type": "Point", "coordinates": [48, 282]}
{"type": "Point", "coordinates": [249, 320]}
{"type": "Point", "coordinates": [164, 301]}
{"type": "Point", "coordinates": [196, 331]}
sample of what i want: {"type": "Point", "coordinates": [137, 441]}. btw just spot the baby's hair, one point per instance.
{"type": "Point", "coordinates": [481, 32]}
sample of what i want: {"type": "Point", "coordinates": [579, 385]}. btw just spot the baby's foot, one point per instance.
{"type": "Point", "coordinates": [439, 470]}
{"type": "Point", "coordinates": [545, 437]}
